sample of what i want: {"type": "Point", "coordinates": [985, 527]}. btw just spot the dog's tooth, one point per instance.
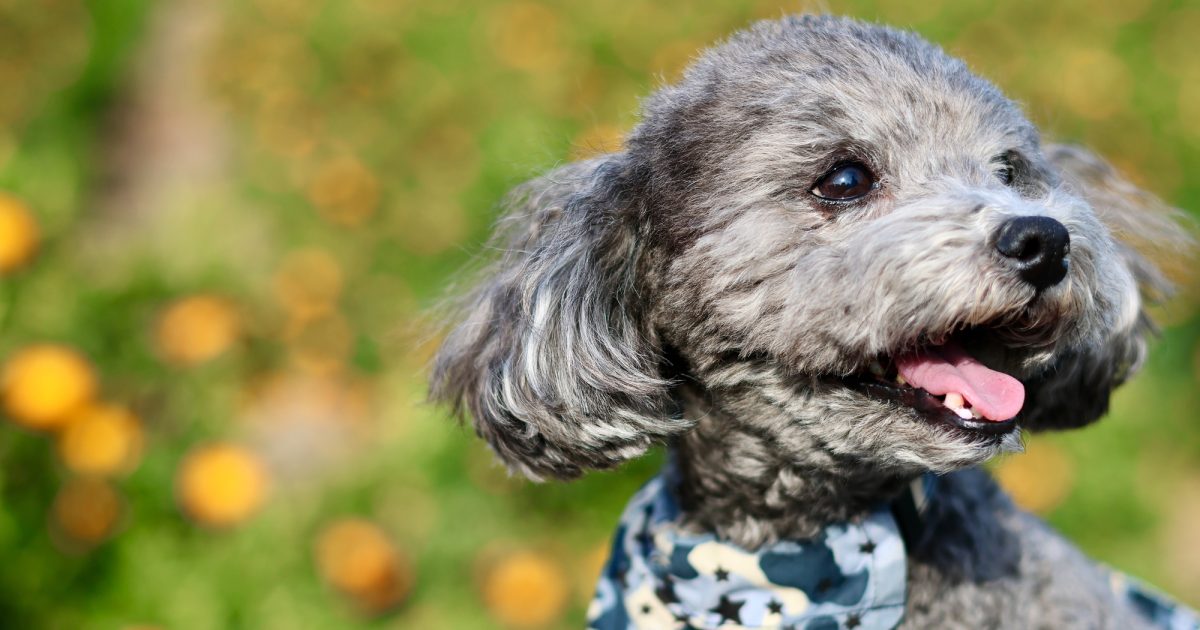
{"type": "Point", "coordinates": [975, 414]}
{"type": "Point", "coordinates": [956, 403]}
{"type": "Point", "coordinates": [901, 380]}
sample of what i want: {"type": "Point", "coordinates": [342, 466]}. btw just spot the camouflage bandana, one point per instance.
{"type": "Point", "coordinates": [851, 576]}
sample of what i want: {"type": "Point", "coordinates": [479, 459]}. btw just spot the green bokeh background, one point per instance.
{"type": "Point", "coordinates": [187, 147]}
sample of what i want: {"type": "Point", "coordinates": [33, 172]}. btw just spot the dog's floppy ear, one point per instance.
{"type": "Point", "coordinates": [553, 358]}
{"type": "Point", "coordinates": [1075, 391]}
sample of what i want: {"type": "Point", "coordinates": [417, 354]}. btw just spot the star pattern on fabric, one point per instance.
{"type": "Point", "coordinates": [729, 610]}
{"type": "Point", "coordinates": [664, 575]}
{"type": "Point", "coordinates": [666, 591]}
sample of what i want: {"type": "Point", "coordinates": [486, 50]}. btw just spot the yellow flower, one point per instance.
{"type": "Point", "coordinates": [526, 36]}
{"type": "Point", "coordinates": [308, 282]}
{"type": "Point", "coordinates": [345, 191]}
{"type": "Point", "coordinates": [102, 440]}
{"type": "Point", "coordinates": [86, 511]}
{"type": "Point", "coordinates": [221, 484]}
{"type": "Point", "coordinates": [19, 234]}
{"type": "Point", "coordinates": [356, 557]}
{"type": "Point", "coordinates": [525, 590]}
{"type": "Point", "coordinates": [196, 329]}
{"type": "Point", "coordinates": [44, 384]}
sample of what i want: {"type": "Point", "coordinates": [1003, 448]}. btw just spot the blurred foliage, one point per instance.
{"type": "Point", "coordinates": [222, 225]}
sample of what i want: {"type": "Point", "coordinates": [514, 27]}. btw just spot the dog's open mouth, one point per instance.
{"type": "Point", "coordinates": [945, 384]}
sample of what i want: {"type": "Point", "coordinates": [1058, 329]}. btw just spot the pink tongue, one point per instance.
{"type": "Point", "coordinates": [945, 369]}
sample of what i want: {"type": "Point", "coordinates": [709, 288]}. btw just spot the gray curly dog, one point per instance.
{"type": "Point", "coordinates": [833, 271]}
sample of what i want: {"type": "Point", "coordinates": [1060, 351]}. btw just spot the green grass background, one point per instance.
{"type": "Point", "coordinates": [443, 106]}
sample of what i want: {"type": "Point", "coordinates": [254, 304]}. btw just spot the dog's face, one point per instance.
{"type": "Point", "coordinates": [835, 235]}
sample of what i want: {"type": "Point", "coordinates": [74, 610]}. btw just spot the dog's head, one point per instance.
{"type": "Point", "coordinates": [830, 230]}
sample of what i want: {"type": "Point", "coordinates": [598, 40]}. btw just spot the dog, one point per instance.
{"type": "Point", "coordinates": [833, 271]}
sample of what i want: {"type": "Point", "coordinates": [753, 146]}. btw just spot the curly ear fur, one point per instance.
{"type": "Point", "coordinates": [1076, 390]}
{"type": "Point", "coordinates": [553, 359]}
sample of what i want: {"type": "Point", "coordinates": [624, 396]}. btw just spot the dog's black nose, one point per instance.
{"type": "Point", "coordinates": [1037, 247]}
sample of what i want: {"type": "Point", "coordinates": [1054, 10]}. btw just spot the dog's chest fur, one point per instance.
{"type": "Point", "coordinates": [982, 563]}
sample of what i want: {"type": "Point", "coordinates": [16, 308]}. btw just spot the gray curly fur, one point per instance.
{"type": "Point", "coordinates": [690, 290]}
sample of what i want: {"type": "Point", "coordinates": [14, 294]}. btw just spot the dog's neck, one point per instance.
{"type": "Point", "coordinates": [743, 483]}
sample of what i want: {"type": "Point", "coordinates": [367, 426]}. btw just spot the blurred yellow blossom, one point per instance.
{"type": "Point", "coordinates": [447, 156]}
{"type": "Point", "coordinates": [222, 484]}
{"type": "Point", "coordinates": [526, 36]}
{"type": "Point", "coordinates": [1038, 479]}
{"type": "Point", "coordinates": [345, 191]}
{"type": "Point", "coordinates": [19, 234]}
{"type": "Point", "coordinates": [101, 440]}
{"type": "Point", "coordinates": [197, 329]}
{"type": "Point", "coordinates": [525, 589]}
{"type": "Point", "coordinates": [308, 282]}
{"type": "Point", "coordinates": [286, 125]}
{"type": "Point", "coordinates": [44, 384]}
{"type": "Point", "coordinates": [356, 557]}
{"type": "Point", "coordinates": [86, 511]}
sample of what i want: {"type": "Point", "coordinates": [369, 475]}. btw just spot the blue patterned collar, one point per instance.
{"type": "Point", "coordinates": [852, 575]}
{"type": "Point", "coordinates": [659, 576]}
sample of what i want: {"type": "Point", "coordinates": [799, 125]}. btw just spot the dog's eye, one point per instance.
{"type": "Point", "coordinates": [845, 183]}
{"type": "Point", "coordinates": [1005, 171]}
